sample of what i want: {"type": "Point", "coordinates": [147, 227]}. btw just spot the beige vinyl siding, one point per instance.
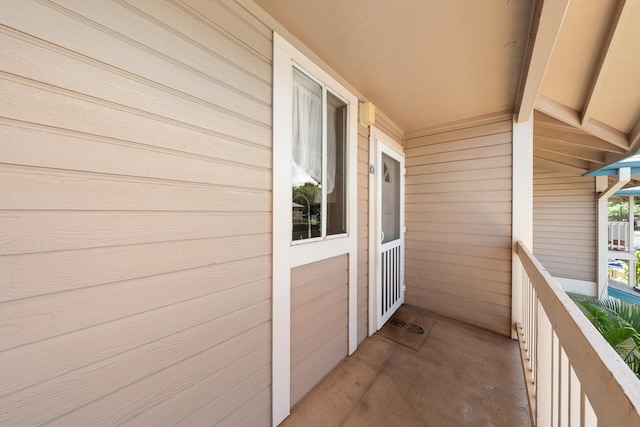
{"type": "Point", "coordinates": [564, 224]}
{"type": "Point", "coordinates": [458, 218]}
{"type": "Point", "coordinates": [135, 200]}
{"type": "Point", "coordinates": [389, 128]}
{"type": "Point", "coordinates": [363, 233]}
{"type": "Point", "coordinates": [319, 322]}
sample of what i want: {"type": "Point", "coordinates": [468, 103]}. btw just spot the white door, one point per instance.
{"type": "Point", "coordinates": [390, 214]}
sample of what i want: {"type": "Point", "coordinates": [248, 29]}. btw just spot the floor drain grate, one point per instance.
{"type": "Point", "coordinates": [414, 329]}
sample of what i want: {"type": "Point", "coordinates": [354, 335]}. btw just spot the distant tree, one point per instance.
{"type": "Point", "coordinates": [637, 269]}
{"type": "Point", "coordinates": [311, 192]}
{"type": "Point", "coordinates": [619, 210]}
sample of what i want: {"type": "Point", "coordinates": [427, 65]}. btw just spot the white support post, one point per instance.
{"type": "Point", "coordinates": [602, 220]}
{"type": "Point", "coordinates": [522, 211]}
{"type": "Point", "coordinates": [602, 217]}
{"type": "Point", "coordinates": [630, 244]}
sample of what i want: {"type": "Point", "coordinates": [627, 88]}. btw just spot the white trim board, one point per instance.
{"type": "Point", "coordinates": [522, 210]}
{"type": "Point", "coordinates": [285, 255]}
{"type": "Point", "coordinates": [578, 286]}
{"type": "Point", "coordinates": [371, 250]}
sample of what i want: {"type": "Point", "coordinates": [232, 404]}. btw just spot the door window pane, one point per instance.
{"type": "Point", "coordinates": [390, 199]}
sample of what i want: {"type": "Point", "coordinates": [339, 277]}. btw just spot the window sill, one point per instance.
{"type": "Point", "coordinates": [313, 250]}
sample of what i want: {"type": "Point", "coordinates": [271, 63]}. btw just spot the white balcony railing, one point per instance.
{"type": "Point", "coordinates": [574, 376]}
{"type": "Point", "coordinates": [618, 232]}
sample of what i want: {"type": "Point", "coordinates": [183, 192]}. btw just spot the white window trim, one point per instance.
{"type": "Point", "coordinates": [286, 255]}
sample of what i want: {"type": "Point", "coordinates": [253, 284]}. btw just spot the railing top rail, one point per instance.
{"type": "Point", "coordinates": [612, 388]}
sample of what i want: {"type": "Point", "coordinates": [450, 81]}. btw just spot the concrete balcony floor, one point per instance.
{"type": "Point", "coordinates": [462, 376]}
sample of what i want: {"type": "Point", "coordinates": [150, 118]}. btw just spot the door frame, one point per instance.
{"type": "Point", "coordinates": [379, 142]}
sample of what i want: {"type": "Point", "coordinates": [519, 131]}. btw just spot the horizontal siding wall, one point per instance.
{"type": "Point", "coordinates": [389, 128]}
{"type": "Point", "coordinates": [363, 233]}
{"type": "Point", "coordinates": [319, 322]}
{"type": "Point", "coordinates": [458, 218]}
{"type": "Point", "coordinates": [564, 224]}
{"type": "Point", "coordinates": [135, 200]}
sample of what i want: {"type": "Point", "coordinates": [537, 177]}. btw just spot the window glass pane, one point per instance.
{"type": "Point", "coordinates": [307, 158]}
{"type": "Point", "coordinates": [390, 198]}
{"type": "Point", "coordinates": [336, 182]}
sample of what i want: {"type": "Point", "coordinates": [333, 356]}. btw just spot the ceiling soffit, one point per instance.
{"type": "Point", "coordinates": [618, 102]}
{"type": "Point", "coordinates": [422, 63]}
{"type": "Point", "coordinates": [576, 52]}
{"type": "Point", "coordinates": [429, 63]}
{"type": "Point", "coordinates": [563, 144]}
{"type": "Point", "coordinates": [593, 78]}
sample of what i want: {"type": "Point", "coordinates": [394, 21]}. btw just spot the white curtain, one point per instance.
{"type": "Point", "coordinates": [307, 129]}
{"type": "Point", "coordinates": [331, 147]}
{"type": "Point", "coordinates": [307, 134]}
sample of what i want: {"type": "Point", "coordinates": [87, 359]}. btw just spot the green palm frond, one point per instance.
{"type": "Point", "coordinates": [618, 322]}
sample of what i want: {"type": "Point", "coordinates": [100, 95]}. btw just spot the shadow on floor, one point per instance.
{"type": "Point", "coordinates": [461, 376]}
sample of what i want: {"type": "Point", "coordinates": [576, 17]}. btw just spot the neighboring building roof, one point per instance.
{"type": "Point", "coordinates": [626, 192]}
{"type": "Point", "coordinates": [632, 162]}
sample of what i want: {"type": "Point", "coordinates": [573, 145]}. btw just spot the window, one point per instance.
{"type": "Point", "coordinates": [318, 163]}
{"type": "Point", "coordinates": [315, 159]}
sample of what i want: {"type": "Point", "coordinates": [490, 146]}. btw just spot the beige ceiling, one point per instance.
{"type": "Point", "coordinates": [426, 63]}
{"type": "Point", "coordinates": [420, 62]}
{"type": "Point", "coordinates": [573, 67]}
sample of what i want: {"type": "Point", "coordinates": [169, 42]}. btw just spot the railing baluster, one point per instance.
{"type": "Point", "coordinates": [565, 389]}
{"type": "Point", "coordinates": [534, 328]}
{"type": "Point", "coordinates": [574, 399]}
{"type": "Point", "coordinates": [618, 235]}
{"type": "Point", "coordinates": [544, 364]}
{"type": "Point", "coordinates": [567, 362]}
{"type": "Point", "coordinates": [530, 311]}
{"type": "Point", "coordinates": [555, 381]}
{"type": "Point", "coordinates": [589, 418]}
